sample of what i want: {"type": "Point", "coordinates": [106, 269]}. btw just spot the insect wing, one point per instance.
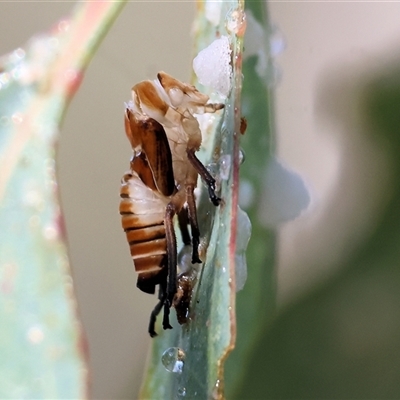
{"type": "Point", "coordinates": [149, 135]}
{"type": "Point", "coordinates": [158, 153]}
{"type": "Point", "coordinates": [140, 165]}
{"type": "Point", "coordinates": [132, 129]}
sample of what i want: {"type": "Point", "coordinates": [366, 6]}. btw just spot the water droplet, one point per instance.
{"type": "Point", "coordinates": [212, 168]}
{"type": "Point", "coordinates": [197, 192]}
{"type": "Point", "coordinates": [35, 334]}
{"type": "Point", "coordinates": [185, 258]}
{"type": "Point", "coordinates": [181, 392]}
{"type": "Point", "coordinates": [203, 245]}
{"type": "Point", "coordinates": [17, 72]}
{"type": "Point", "coordinates": [17, 118]}
{"type": "Point", "coordinates": [64, 25]}
{"type": "Point", "coordinates": [4, 80]}
{"type": "Point", "coordinates": [50, 232]}
{"type": "Point", "coordinates": [217, 390]}
{"type": "Point", "coordinates": [225, 166]}
{"type": "Point", "coordinates": [235, 21]}
{"type": "Point", "coordinates": [18, 54]}
{"type": "Point", "coordinates": [242, 156]}
{"type": "Point", "coordinates": [173, 359]}
{"type": "Point", "coordinates": [242, 240]}
{"type": "Point", "coordinates": [33, 199]}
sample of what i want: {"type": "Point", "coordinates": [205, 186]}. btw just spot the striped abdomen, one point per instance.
{"type": "Point", "coordinates": [142, 211]}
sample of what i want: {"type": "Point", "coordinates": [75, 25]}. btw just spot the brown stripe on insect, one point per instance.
{"type": "Point", "coordinates": [147, 249]}
{"type": "Point", "coordinates": [145, 234]}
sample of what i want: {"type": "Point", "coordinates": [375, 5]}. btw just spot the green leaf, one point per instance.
{"type": "Point", "coordinates": [42, 346]}
{"type": "Point", "coordinates": [209, 335]}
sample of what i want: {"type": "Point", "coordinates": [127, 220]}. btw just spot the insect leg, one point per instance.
{"type": "Point", "coordinates": [171, 250]}
{"type": "Point", "coordinates": [173, 207]}
{"type": "Point", "coordinates": [153, 317]}
{"type": "Point", "coordinates": [183, 226]}
{"type": "Point", "coordinates": [166, 324]}
{"type": "Point", "coordinates": [208, 108]}
{"type": "Point", "coordinates": [158, 307]}
{"type": "Point", "coordinates": [194, 225]}
{"type": "Point", "coordinates": [205, 175]}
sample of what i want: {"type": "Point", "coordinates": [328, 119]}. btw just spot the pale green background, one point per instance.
{"type": "Point", "coordinates": [326, 41]}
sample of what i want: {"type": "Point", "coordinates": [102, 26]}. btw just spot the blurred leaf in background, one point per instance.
{"type": "Point", "coordinates": [341, 340]}
{"type": "Point", "coordinates": [42, 345]}
{"type": "Point", "coordinates": [255, 303]}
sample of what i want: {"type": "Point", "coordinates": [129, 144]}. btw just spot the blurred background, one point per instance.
{"type": "Point", "coordinates": [330, 48]}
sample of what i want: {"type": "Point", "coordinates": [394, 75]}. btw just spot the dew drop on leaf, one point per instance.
{"type": "Point", "coordinates": [225, 167]}
{"type": "Point", "coordinates": [35, 334]}
{"type": "Point", "coordinates": [17, 118]}
{"type": "Point", "coordinates": [235, 21]}
{"type": "Point", "coordinates": [173, 359]}
{"type": "Point", "coordinates": [64, 25]}
{"type": "Point", "coordinates": [242, 240]}
{"type": "Point", "coordinates": [185, 259]}
{"type": "Point", "coordinates": [242, 156]}
{"type": "Point", "coordinates": [17, 55]}
{"type": "Point", "coordinates": [181, 392]}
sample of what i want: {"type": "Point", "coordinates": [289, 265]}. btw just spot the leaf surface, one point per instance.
{"type": "Point", "coordinates": [42, 345]}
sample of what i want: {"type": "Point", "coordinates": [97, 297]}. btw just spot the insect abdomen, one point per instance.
{"type": "Point", "coordinates": [142, 213]}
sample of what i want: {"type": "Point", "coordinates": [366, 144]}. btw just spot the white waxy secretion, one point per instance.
{"type": "Point", "coordinates": [285, 195]}
{"type": "Point", "coordinates": [213, 66]}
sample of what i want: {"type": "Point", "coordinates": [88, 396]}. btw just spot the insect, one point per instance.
{"type": "Point", "coordinates": [164, 136]}
{"type": "Point", "coordinates": [243, 125]}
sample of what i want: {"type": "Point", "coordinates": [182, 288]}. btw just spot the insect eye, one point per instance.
{"type": "Point", "coordinates": [176, 96]}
